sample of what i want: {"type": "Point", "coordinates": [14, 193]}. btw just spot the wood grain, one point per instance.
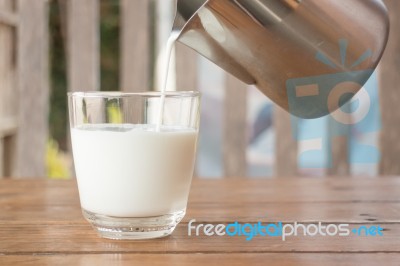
{"type": "Point", "coordinates": [286, 147]}
{"type": "Point", "coordinates": [8, 18]}
{"type": "Point", "coordinates": [1, 157]}
{"type": "Point", "coordinates": [135, 45]}
{"type": "Point", "coordinates": [8, 126]}
{"type": "Point", "coordinates": [33, 88]}
{"type": "Point", "coordinates": [283, 259]}
{"type": "Point", "coordinates": [339, 150]}
{"type": "Point", "coordinates": [8, 90]}
{"type": "Point", "coordinates": [81, 239]}
{"type": "Point", "coordinates": [41, 223]}
{"type": "Point", "coordinates": [83, 35]}
{"type": "Point", "coordinates": [186, 68]}
{"type": "Point", "coordinates": [390, 95]}
{"type": "Point", "coordinates": [234, 128]}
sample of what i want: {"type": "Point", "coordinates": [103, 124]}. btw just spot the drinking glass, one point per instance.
{"type": "Point", "coordinates": [134, 155]}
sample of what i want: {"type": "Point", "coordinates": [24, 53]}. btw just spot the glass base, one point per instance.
{"type": "Point", "coordinates": [134, 228]}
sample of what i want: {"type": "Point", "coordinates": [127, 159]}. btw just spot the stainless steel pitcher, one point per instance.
{"type": "Point", "coordinates": [295, 51]}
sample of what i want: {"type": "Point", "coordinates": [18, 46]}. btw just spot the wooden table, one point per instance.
{"type": "Point", "coordinates": [41, 224]}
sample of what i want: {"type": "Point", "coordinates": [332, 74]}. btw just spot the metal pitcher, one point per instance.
{"type": "Point", "coordinates": [297, 52]}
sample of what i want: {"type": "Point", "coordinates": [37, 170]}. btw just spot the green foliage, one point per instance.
{"type": "Point", "coordinates": [115, 115]}
{"type": "Point", "coordinates": [109, 44]}
{"type": "Point", "coordinates": [58, 97]}
{"type": "Point", "coordinates": [109, 62]}
{"type": "Point", "coordinates": [57, 166]}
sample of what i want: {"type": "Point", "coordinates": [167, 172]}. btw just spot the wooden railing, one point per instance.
{"type": "Point", "coordinates": [8, 121]}
{"type": "Point", "coordinates": [24, 85]}
{"type": "Point", "coordinates": [390, 95]}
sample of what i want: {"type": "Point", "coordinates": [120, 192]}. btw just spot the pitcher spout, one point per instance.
{"type": "Point", "coordinates": [185, 9]}
{"type": "Point", "coordinates": [194, 25]}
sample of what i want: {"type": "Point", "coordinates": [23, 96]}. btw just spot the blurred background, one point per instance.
{"type": "Point", "coordinates": [48, 48]}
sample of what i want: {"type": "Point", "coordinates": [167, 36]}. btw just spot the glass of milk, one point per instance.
{"type": "Point", "coordinates": [134, 155]}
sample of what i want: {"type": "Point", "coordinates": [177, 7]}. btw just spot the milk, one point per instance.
{"type": "Point", "coordinates": [167, 58]}
{"type": "Point", "coordinates": [133, 170]}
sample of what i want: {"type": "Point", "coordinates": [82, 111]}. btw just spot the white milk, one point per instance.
{"type": "Point", "coordinates": [168, 52]}
{"type": "Point", "coordinates": [133, 170]}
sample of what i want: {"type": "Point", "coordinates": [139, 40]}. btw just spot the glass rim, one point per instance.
{"type": "Point", "coordinates": [121, 94]}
